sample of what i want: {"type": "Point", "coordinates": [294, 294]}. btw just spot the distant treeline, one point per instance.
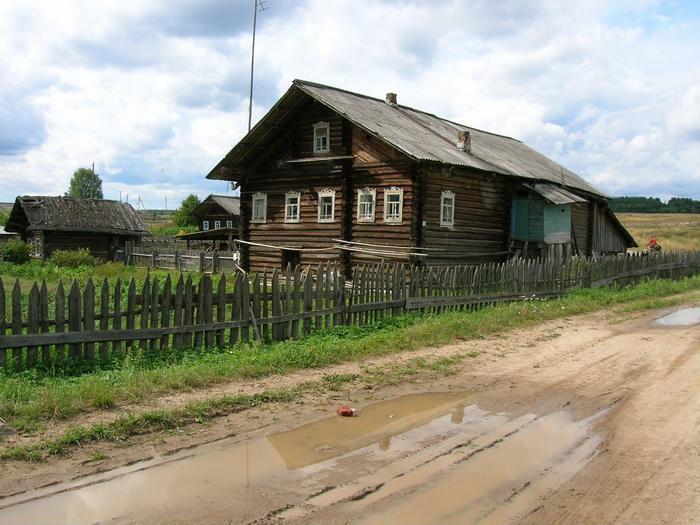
{"type": "Point", "coordinates": [655, 205]}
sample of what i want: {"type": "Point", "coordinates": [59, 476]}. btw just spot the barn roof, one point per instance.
{"type": "Point", "coordinates": [421, 136]}
{"type": "Point", "coordinates": [73, 214]}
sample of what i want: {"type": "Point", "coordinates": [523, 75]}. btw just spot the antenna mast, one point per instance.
{"type": "Point", "coordinates": [261, 5]}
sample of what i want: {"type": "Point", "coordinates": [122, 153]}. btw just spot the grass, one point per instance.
{"type": "Point", "coordinates": [673, 231]}
{"type": "Point", "coordinates": [31, 399]}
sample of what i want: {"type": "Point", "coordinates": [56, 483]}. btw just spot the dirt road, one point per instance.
{"type": "Point", "coordinates": [590, 419]}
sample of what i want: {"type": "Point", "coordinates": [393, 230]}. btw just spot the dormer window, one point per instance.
{"type": "Point", "coordinates": [321, 137]}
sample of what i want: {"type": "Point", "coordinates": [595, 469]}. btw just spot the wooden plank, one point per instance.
{"type": "Point", "coordinates": [145, 308]}
{"type": "Point", "coordinates": [277, 328]}
{"type": "Point", "coordinates": [60, 320]}
{"type": "Point", "coordinates": [178, 304]}
{"type": "Point", "coordinates": [236, 309]}
{"type": "Point", "coordinates": [287, 305]}
{"type": "Point", "coordinates": [165, 312]}
{"type": "Point", "coordinates": [131, 309]}
{"type": "Point", "coordinates": [221, 310]}
{"type": "Point", "coordinates": [328, 283]}
{"type": "Point", "coordinates": [32, 323]}
{"type": "Point", "coordinates": [89, 317]}
{"type": "Point", "coordinates": [199, 312]}
{"type": "Point", "coordinates": [104, 318]}
{"type": "Point", "coordinates": [296, 300]}
{"type": "Point", "coordinates": [154, 314]}
{"type": "Point", "coordinates": [245, 308]}
{"type": "Point", "coordinates": [17, 355]}
{"type": "Point", "coordinates": [257, 305]}
{"type": "Point", "coordinates": [44, 321]}
{"type": "Point", "coordinates": [74, 318]}
{"type": "Point", "coordinates": [318, 320]}
{"type": "Point", "coordinates": [208, 308]}
{"type": "Point", "coordinates": [3, 325]}
{"type": "Point", "coordinates": [117, 315]}
{"type": "Point", "coordinates": [308, 299]}
{"type": "Point", "coordinates": [267, 332]}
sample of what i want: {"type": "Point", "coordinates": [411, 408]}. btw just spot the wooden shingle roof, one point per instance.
{"type": "Point", "coordinates": [73, 214]}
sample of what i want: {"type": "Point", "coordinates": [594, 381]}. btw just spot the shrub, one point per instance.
{"type": "Point", "coordinates": [72, 258]}
{"type": "Point", "coordinates": [15, 251]}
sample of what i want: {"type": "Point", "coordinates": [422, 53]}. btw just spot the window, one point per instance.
{"type": "Point", "coordinates": [292, 203]}
{"type": "Point", "coordinates": [217, 225]}
{"type": "Point", "coordinates": [393, 205]}
{"type": "Point", "coordinates": [205, 225]}
{"type": "Point", "coordinates": [321, 137]}
{"type": "Point", "coordinates": [447, 208]}
{"type": "Point", "coordinates": [365, 204]}
{"type": "Point", "coordinates": [326, 206]}
{"type": "Point", "coordinates": [229, 224]}
{"type": "Point", "coordinates": [259, 208]}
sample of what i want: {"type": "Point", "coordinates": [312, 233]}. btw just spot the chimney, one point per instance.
{"type": "Point", "coordinates": [391, 99]}
{"type": "Point", "coordinates": [464, 141]}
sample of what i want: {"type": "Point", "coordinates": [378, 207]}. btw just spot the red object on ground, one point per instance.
{"type": "Point", "coordinates": [345, 411]}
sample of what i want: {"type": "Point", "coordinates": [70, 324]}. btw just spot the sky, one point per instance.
{"type": "Point", "coordinates": [155, 92]}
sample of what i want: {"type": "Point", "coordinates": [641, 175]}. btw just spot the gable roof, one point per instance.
{"type": "Point", "coordinates": [419, 135]}
{"type": "Point", "coordinates": [230, 204]}
{"type": "Point", "coordinates": [73, 214]}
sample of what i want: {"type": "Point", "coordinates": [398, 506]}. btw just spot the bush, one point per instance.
{"type": "Point", "coordinates": [15, 251]}
{"type": "Point", "coordinates": [72, 258]}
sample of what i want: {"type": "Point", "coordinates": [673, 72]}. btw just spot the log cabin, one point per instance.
{"type": "Point", "coordinates": [67, 223]}
{"type": "Point", "coordinates": [328, 174]}
{"type": "Point", "coordinates": [217, 221]}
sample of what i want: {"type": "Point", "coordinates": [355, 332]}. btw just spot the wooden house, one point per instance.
{"type": "Point", "coordinates": [67, 223]}
{"type": "Point", "coordinates": [217, 221]}
{"type": "Point", "coordinates": [331, 174]}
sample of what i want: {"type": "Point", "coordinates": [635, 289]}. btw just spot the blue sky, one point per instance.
{"type": "Point", "coordinates": [155, 92]}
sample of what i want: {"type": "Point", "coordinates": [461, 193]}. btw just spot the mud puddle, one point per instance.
{"type": "Point", "coordinates": [240, 479]}
{"type": "Point", "coordinates": [683, 317]}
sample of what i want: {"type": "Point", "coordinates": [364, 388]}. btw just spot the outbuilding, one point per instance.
{"type": "Point", "coordinates": [67, 223]}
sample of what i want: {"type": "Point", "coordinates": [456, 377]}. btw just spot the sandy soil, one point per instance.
{"type": "Point", "coordinates": [590, 419]}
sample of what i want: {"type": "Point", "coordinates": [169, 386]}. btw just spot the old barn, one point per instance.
{"type": "Point", "coordinates": [67, 223]}
{"type": "Point", "coordinates": [331, 174]}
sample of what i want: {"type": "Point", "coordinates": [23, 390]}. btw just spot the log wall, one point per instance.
{"type": "Point", "coordinates": [482, 218]}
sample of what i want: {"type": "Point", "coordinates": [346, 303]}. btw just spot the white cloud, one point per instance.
{"type": "Point", "coordinates": [156, 92]}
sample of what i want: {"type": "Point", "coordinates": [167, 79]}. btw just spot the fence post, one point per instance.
{"type": "Point", "coordinates": [215, 262]}
{"type": "Point", "coordinates": [201, 262]}
{"type": "Point", "coordinates": [154, 259]}
{"type": "Point", "coordinates": [176, 260]}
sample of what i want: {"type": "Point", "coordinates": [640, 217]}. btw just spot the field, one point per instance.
{"type": "Point", "coordinates": [673, 231]}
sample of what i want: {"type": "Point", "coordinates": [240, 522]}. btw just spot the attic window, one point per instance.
{"type": "Point", "coordinates": [321, 137]}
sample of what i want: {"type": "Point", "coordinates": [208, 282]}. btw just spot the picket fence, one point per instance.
{"type": "Point", "coordinates": [101, 323]}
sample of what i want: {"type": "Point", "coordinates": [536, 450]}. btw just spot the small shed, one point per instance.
{"type": "Point", "coordinates": [68, 223]}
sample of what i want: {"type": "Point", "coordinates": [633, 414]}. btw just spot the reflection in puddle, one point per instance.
{"type": "Point", "coordinates": [242, 471]}
{"type": "Point", "coordinates": [684, 317]}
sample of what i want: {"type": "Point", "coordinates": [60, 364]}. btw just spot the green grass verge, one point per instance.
{"type": "Point", "coordinates": [28, 401]}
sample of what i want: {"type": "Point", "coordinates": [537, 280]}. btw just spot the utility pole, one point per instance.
{"type": "Point", "coordinates": [256, 4]}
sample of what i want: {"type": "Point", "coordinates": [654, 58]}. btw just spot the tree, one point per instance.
{"type": "Point", "coordinates": [86, 184]}
{"type": "Point", "coordinates": [183, 215]}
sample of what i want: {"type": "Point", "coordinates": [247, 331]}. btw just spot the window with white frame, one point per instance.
{"type": "Point", "coordinates": [229, 224]}
{"type": "Point", "coordinates": [326, 206]}
{"type": "Point", "coordinates": [205, 225]}
{"type": "Point", "coordinates": [447, 208]}
{"type": "Point", "coordinates": [321, 137]}
{"type": "Point", "coordinates": [259, 214]}
{"type": "Point", "coordinates": [292, 203]}
{"type": "Point", "coordinates": [393, 205]}
{"type": "Point", "coordinates": [365, 204]}
{"type": "Point", "coordinates": [217, 225]}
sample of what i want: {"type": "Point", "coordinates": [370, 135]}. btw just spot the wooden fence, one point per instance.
{"type": "Point", "coordinates": [104, 322]}
{"type": "Point", "coordinates": [182, 260]}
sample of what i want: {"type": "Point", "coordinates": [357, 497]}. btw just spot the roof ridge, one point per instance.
{"type": "Point", "coordinates": [298, 81]}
